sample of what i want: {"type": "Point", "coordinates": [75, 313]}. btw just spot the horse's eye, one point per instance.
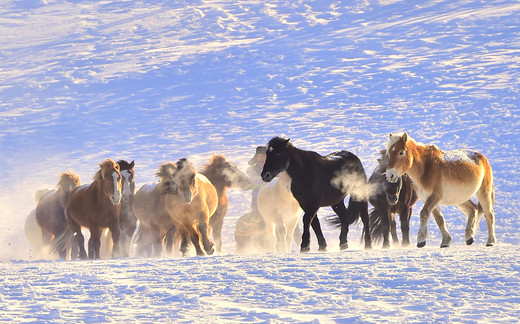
{"type": "Point", "coordinates": [401, 153]}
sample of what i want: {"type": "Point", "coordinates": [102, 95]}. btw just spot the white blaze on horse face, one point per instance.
{"type": "Point", "coordinates": [116, 196]}
{"type": "Point", "coordinates": [127, 191]}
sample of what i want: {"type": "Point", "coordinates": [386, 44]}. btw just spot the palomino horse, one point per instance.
{"type": "Point", "coordinates": [388, 199]}
{"type": "Point", "coordinates": [444, 178]}
{"type": "Point", "coordinates": [222, 174]}
{"type": "Point", "coordinates": [149, 208]}
{"type": "Point", "coordinates": [50, 210]}
{"type": "Point", "coordinates": [95, 206]}
{"type": "Point", "coordinates": [190, 200]}
{"type": "Point", "coordinates": [280, 211]}
{"type": "Point", "coordinates": [319, 181]}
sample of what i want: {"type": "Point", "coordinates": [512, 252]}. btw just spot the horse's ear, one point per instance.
{"type": "Point", "coordinates": [405, 137]}
{"type": "Point", "coordinates": [390, 135]}
{"type": "Point", "coordinates": [132, 165]}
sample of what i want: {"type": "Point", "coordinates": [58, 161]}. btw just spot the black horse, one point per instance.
{"type": "Point", "coordinates": [319, 181]}
{"type": "Point", "coordinates": [388, 199]}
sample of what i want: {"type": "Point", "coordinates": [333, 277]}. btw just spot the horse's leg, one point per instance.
{"type": "Point", "coordinates": [486, 199]}
{"type": "Point", "coordinates": [270, 234]}
{"type": "Point", "coordinates": [203, 231]}
{"type": "Point", "coordinates": [429, 205]}
{"type": "Point", "coordinates": [94, 243]}
{"type": "Point", "coordinates": [470, 209]}
{"type": "Point", "coordinates": [169, 240]}
{"type": "Point", "coordinates": [322, 244]}
{"type": "Point", "coordinates": [393, 228]}
{"type": "Point", "coordinates": [291, 226]}
{"type": "Point", "coordinates": [342, 213]}
{"type": "Point", "coordinates": [308, 217]}
{"type": "Point", "coordinates": [195, 239]}
{"type": "Point", "coordinates": [116, 235]}
{"type": "Point", "coordinates": [80, 240]}
{"type": "Point", "coordinates": [404, 220]}
{"type": "Point", "coordinates": [184, 242]}
{"type": "Point", "coordinates": [155, 232]}
{"type": "Point", "coordinates": [281, 237]}
{"type": "Point", "coordinates": [216, 222]}
{"type": "Point", "coordinates": [385, 223]}
{"type": "Point", "coordinates": [439, 219]}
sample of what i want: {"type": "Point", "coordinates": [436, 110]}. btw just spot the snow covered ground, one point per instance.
{"type": "Point", "coordinates": [81, 81]}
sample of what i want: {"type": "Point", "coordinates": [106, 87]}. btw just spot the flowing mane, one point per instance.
{"type": "Point", "coordinates": [108, 164]}
{"type": "Point", "coordinates": [215, 161]}
{"type": "Point", "coordinates": [68, 180]}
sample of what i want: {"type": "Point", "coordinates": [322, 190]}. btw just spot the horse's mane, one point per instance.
{"type": "Point", "coordinates": [166, 171]}
{"type": "Point", "coordinates": [279, 143]}
{"type": "Point", "coordinates": [214, 160]}
{"type": "Point", "coordinates": [108, 163]}
{"type": "Point", "coordinates": [68, 178]}
{"type": "Point", "coordinates": [124, 165]}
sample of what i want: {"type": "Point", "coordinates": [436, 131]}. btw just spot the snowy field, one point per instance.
{"type": "Point", "coordinates": [155, 81]}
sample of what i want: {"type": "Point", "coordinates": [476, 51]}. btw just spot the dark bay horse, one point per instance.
{"type": "Point", "coordinates": [50, 210]}
{"type": "Point", "coordinates": [319, 181]}
{"type": "Point", "coordinates": [127, 219]}
{"type": "Point", "coordinates": [222, 174]}
{"type": "Point", "coordinates": [389, 198]}
{"type": "Point", "coordinates": [444, 178]}
{"type": "Point", "coordinates": [95, 206]}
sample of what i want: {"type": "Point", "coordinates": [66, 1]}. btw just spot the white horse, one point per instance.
{"type": "Point", "coordinates": [280, 211]}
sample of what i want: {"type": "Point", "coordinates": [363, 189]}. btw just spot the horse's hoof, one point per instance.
{"type": "Point", "coordinates": [343, 246]}
{"type": "Point", "coordinates": [490, 244]}
{"type": "Point", "coordinates": [323, 248]}
{"type": "Point", "coordinates": [305, 249]}
{"type": "Point", "coordinates": [421, 244]}
{"type": "Point", "coordinates": [444, 246]}
{"type": "Point", "coordinates": [210, 252]}
{"type": "Point", "coordinates": [368, 247]}
{"type": "Point", "coordinates": [386, 245]}
{"type": "Point", "coordinates": [470, 241]}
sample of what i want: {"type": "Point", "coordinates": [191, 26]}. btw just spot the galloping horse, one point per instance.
{"type": "Point", "coordinates": [33, 231]}
{"type": "Point", "coordinates": [95, 206]}
{"type": "Point", "coordinates": [190, 200]}
{"type": "Point", "coordinates": [50, 210]}
{"type": "Point", "coordinates": [149, 208]}
{"type": "Point", "coordinates": [319, 181]}
{"type": "Point", "coordinates": [222, 174]}
{"type": "Point", "coordinates": [127, 219]}
{"type": "Point", "coordinates": [444, 178]}
{"type": "Point", "coordinates": [280, 211]}
{"type": "Point", "coordinates": [390, 198]}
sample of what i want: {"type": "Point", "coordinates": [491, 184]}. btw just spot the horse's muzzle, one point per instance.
{"type": "Point", "coordinates": [115, 199]}
{"type": "Point", "coordinates": [392, 176]}
{"type": "Point", "coordinates": [267, 176]}
{"type": "Point", "coordinates": [392, 200]}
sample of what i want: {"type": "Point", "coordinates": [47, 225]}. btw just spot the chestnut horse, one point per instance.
{"type": "Point", "coordinates": [154, 220]}
{"type": "Point", "coordinates": [95, 206]}
{"type": "Point", "coordinates": [50, 210]}
{"type": "Point", "coordinates": [321, 181]}
{"type": "Point", "coordinates": [444, 178]}
{"type": "Point", "coordinates": [190, 200]}
{"type": "Point", "coordinates": [388, 199]}
{"type": "Point", "coordinates": [280, 212]}
{"type": "Point", "coordinates": [222, 174]}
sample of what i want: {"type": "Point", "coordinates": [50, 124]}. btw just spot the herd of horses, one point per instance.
{"type": "Point", "coordinates": [187, 205]}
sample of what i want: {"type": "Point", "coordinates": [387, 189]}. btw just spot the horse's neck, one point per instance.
{"type": "Point", "coordinates": [285, 181]}
{"type": "Point", "coordinates": [296, 169]}
{"type": "Point", "coordinates": [216, 181]}
{"type": "Point", "coordinates": [419, 154]}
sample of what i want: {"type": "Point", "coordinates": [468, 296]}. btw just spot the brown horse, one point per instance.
{"type": "Point", "coordinates": [50, 210]}
{"type": "Point", "coordinates": [444, 178]}
{"type": "Point", "coordinates": [190, 200]}
{"type": "Point", "coordinates": [95, 206]}
{"type": "Point", "coordinates": [222, 174]}
{"type": "Point", "coordinates": [154, 220]}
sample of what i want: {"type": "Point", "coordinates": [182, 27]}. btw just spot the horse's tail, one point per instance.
{"type": "Point", "coordinates": [376, 217]}
{"type": "Point", "coordinates": [61, 241]}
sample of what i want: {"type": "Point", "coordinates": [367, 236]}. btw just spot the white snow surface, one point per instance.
{"type": "Point", "coordinates": [155, 81]}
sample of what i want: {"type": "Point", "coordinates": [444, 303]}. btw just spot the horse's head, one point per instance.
{"type": "Point", "coordinates": [399, 157]}
{"type": "Point", "coordinates": [226, 172]}
{"type": "Point", "coordinates": [68, 181]}
{"type": "Point", "coordinates": [128, 179]}
{"type": "Point", "coordinates": [392, 190]}
{"type": "Point", "coordinates": [184, 177]}
{"type": "Point", "coordinates": [277, 158]}
{"type": "Point", "coordinates": [110, 179]}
